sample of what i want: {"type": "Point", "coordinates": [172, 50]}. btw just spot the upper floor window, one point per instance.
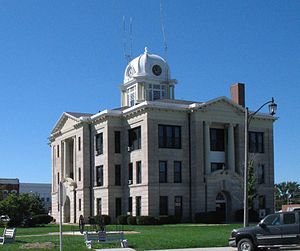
{"type": "Point", "coordinates": [261, 174]}
{"type": "Point", "coordinates": [217, 139]}
{"type": "Point", "coordinates": [79, 143]}
{"type": "Point", "coordinates": [138, 172]}
{"type": "Point", "coordinates": [256, 142]}
{"type": "Point", "coordinates": [117, 142]}
{"type": "Point", "coordinates": [169, 136]}
{"type": "Point", "coordinates": [131, 96]}
{"type": "Point", "coordinates": [130, 174]}
{"type": "Point", "coordinates": [79, 174]}
{"type": "Point", "coordinates": [134, 138]}
{"type": "Point", "coordinates": [163, 172]}
{"type": "Point", "coordinates": [177, 171]}
{"type": "Point", "coordinates": [99, 143]}
{"type": "Point", "coordinates": [57, 152]}
{"type": "Point", "coordinates": [118, 175]}
{"type": "Point", "coordinates": [99, 175]}
{"type": "Point", "coordinates": [155, 92]}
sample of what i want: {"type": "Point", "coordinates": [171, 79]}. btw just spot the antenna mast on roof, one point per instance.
{"type": "Point", "coordinates": [127, 55]}
{"type": "Point", "coordinates": [162, 21]}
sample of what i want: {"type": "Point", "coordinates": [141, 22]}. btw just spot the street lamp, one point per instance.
{"type": "Point", "coordinates": [248, 118]}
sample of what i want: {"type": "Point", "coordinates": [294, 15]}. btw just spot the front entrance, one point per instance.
{"type": "Point", "coordinates": [221, 206]}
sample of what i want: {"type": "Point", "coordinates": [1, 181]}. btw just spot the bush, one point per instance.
{"type": "Point", "coordinates": [253, 215]}
{"type": "Point", "coordinates": [131, 220]}
{"type": "Point", "coordinates": [105, 219]}
{"type": "Point", "coordinates": [168, 219]}
{"type": "Point", "coordinates": [122, 219]}
{"type": "Point", "coordinates": [41, 219]}
{"type": "Point", "coordinates": [207, 218]}
{"type": "Point", "coordinates": [146, 220]}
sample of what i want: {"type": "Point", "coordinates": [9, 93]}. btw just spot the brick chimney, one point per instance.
{"type": "Point", "coordinates": [237, 92]}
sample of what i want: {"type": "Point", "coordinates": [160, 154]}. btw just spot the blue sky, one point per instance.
{"type": "Point", "coordinates": [63, 55]}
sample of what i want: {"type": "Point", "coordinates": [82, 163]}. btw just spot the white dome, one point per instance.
{"type": "Point", "coordinates": [147, 65]}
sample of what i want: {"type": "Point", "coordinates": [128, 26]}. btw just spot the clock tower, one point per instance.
{"type": "Point", "coordinates": [146, 78]}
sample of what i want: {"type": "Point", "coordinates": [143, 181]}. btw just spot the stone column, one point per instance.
{"type": "Point", "coordinates": [207, 147]}
{"type": "Point", "coordinates": [64, 157]}
{"type": "Point", "coordinates": [74, 159]}
{"type": "Point", "coordinates": [230, 150]}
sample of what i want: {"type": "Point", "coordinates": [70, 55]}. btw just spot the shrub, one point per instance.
{"type": "Point", "coordinates": [122, 219]}
{"type": "Point", "coordinates": [131, 220]}
{"type": "Point", "coordinates": [168, 219]}
{"type": "Point", "coordinates": [253, 215]}
{"type": "Point", "coordinates": [207, 218]}
{"type": "Point", "coordinates": [146, 220]}
{"type": "Point", "coordinates": [105, 219]}
{"type": "Point", "coordinates": [41, 219]}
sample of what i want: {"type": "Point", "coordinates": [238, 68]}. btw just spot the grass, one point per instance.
{"type": "Point", "coordinates": [149, 237]}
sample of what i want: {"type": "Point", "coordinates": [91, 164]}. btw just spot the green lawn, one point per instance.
{"type": "Point", "coordinates": [149, 237]}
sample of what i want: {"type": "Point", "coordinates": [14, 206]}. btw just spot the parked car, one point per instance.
{"type": "Point", "coordinates": [279, 229]}
{"type": "Point", "coordinates": [4, 218]}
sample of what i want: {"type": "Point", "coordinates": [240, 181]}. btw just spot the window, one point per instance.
{"type": "Point", "coordinates": [130, 174]}
{"type": "Point", "coordinates": [118, 175]}
{"type": "Point", "coordinates": [261, 202]}
{"type": "Point", "coordinates": [138, 201]}
{"type": "Point", "coordinates": [99, 143]}
{"type": "Point", "coordinates": [256, 142]}
{"type": "Point", "coordinates": [155, 92]}
{"type": "Point", "coordinates": [217, 139]}
{"type": "Point", "coordinates": [178, 206]}
{"type": "Point", "coordinates": [260, 174]}
{"type": "Point", "coordinates": [58, 178]}
{"type": "Point", "coordinates": [177, 171]}
{"type": "Point", "coordinates": [131, 96]}
{"type": "Point", "coordinates": [163, 172]}
{"type": "Point", "coordinates": [169, 136]}
{"type": "Point", "coordinates": [134, 138]}
{"type": "Point", "coordinates": [79, 204]}
{"type": "Point", "coordinates": [99, 206]}
{"type": "Point", "coordinates": [289, 218]}
{"type": "Point", "coordinates": [99, 175]}
{"type": "Point", "coordinates": [217, 166]}
{"type": "Point", "coordinates": [130, 205]}
{"type": "Point", "coordinates": [138, 172]}
{"type": "Point", "coordinates": [79, 174]}
{"type": "Point", "coordinates": [79, 143]}
{"type": "Point", "coordinates": [48, 199]}
{"type": "Point", "coordinates": [272, 219]}
{"type": "Point", "coordinates": [57, 152]}
{"type": "Point", "coordinates": [163, 205]}
{"type": "Point", "coordinates": [117, 142]}
{"type": "Point", "coordinates": [118, 207]}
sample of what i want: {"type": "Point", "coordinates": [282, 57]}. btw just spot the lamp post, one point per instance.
{"type": "Point", "coordinates": [248, 118]}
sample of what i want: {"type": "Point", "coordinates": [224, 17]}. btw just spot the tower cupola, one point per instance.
{"type": "Point", "coordinates": [146, 78]}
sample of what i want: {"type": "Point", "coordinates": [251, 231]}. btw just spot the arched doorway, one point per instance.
{"type": "Point", "coordinates": [67, 210]}
{"type": "Point", "coordinates": [221, 206]}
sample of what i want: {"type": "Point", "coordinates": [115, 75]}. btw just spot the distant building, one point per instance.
{"type": "Point", "coordinates": [8, 186]}
{"type": "Point", "coordinates": [156, 155]}
{"type": "Point", "coordinates": [42, 190]}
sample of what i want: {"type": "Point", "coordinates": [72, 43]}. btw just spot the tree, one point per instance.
{"type": "Point", "coordinates": [286, 193]}
{"type": "Point", "coordinates": [252, 193]}
{"type": "Point", "coordinates": [21, 207]}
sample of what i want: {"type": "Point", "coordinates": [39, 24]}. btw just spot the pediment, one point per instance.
{"type": "Point", "coordinates": [65, 122]}
{"type": "Point", "coordinates": [222, 105]}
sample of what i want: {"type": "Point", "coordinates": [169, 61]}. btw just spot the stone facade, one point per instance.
{"type": "Point", "coordinates": [159, 156]}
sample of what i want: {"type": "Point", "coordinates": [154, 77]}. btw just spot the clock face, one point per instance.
{"type": "Point", "coordinates": [131, 71]}
{"type": "Point", "coordinates": [156, 69]}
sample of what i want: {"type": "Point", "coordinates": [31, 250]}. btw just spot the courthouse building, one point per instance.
{"type": "Point", "coordinates": [157, 155]}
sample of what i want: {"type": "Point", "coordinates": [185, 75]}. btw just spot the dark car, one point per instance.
{"type": "Point", "coordinates": [275, 230]}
